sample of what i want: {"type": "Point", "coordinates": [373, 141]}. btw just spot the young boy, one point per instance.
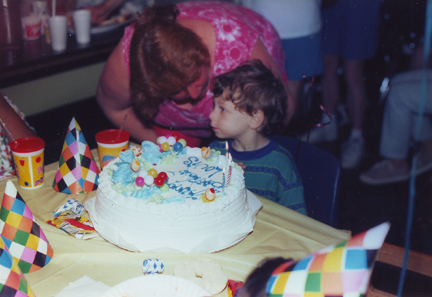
{"type": "Point", "coordinates": [249, 105]}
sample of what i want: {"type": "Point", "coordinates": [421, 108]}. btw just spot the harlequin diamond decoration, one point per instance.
{"type": "Point", "coordinates": [12, 280]}
{"type": "Point", "coordinates": [21, 234]}
{"type": "Point", "coordinates": [336, 271]}
{"type": "Point", "coordinates": [77, 171]}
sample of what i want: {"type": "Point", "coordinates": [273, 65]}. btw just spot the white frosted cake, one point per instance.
{"type": "Point", "coordinates": [168, 211]}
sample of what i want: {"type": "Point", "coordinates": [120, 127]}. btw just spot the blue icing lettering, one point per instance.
{"type": "Point", "coordinates": [185, 191]}
{"type": "Point", "coordinates": [197, 164]}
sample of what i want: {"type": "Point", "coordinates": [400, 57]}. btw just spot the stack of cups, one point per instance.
{"type": "Point", "coordinates": [82, 23]}
{"type": "Point", "coordinates": [28, 154]}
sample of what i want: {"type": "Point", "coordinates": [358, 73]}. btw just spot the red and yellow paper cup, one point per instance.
{"type": "Point", "coordinates": [110, 143]}
{"type": "Point", "coordinates": [28, 154]}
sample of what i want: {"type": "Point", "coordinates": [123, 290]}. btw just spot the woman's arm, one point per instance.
{"type": "Point", "coordinates": [260, 52]}
{"type": "Point", "coordinates": [13, 122]}
{"type": "Point", "coordinates": [114, 98]}
{"type": "Point", "coordinates": [101, 12]}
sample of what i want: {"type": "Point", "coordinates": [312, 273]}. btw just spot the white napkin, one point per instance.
{"type": "Point", "coordinates": [84, 287]}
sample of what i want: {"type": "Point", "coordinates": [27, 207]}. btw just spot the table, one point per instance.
{"type": "Point", "coordinates": [35, 59]}
{"type": "Point", "coordinates": [278, 231]}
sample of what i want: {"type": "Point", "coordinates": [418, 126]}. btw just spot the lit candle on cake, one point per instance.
{"type": "Point", "coordinates": [229, 169]}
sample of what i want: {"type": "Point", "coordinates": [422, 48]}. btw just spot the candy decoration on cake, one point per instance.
{"type": "Point", "coordinates": [206, 152]}
{"type": "Point", "coordinates": [209, 195]}
{"type": "Point", "coordinates": [153, 266]}
{"type": "Point", "coordinates": [339, 270]}
{"type": "Point", "coordinates": [171, 143]}
{"type": "Point", "coordinates": [12, 281]}
{"type": "Point", "coordinates": [21, 234]}
{"type": "Point", "coordinates": [77, 171]}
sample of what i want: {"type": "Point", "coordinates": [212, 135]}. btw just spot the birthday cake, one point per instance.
{"type": "Point", "coordinates": [169, 198]}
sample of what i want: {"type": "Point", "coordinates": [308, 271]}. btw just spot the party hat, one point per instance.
{"type": "Point", "coordinates": [21, 234]}
{"type": "Point", "coordinates": [12, 280]}
{"type": "Point", "coordinates": [338, 270]}
{"type": "Point", "coordinates": [77, 171]}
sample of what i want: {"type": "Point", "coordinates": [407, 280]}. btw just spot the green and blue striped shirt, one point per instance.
{"type": "Point", "coordinates": [270, 172]}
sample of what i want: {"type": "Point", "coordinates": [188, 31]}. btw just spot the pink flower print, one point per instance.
{"type": "Point", "coordinates": [229, 30]}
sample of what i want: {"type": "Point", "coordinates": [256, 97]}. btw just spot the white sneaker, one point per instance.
{"type": "Point", "coordinates": [321, 134]}
{"type": "Point", "coordinates": [353, 151]}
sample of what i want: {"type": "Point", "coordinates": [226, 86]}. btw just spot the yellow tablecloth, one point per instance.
{"type": "Point", "coordinates": [278, 231]}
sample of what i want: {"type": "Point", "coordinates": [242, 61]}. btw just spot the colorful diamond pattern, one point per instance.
{"type": "Point", "coordinates": [21, 234]}
{"type": "Point", "coordinates": [338, 271]}
{"type": "Point", "coordinates": [77, 171]}
{"type": "Point", "coordinates": [12, 280]}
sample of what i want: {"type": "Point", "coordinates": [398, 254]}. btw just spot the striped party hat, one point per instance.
{"type": "Point", "coordinates": [12, 280]}
{"type": "Point", "coordinates": [21, 234]}
{"type": "Point", "coordinates": [77, 171]}
{"type": "Point", "coordinates": [337, 271]}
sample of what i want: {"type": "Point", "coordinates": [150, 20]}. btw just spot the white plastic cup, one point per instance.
{"type": "Point", "coordinates": [58, 31]}
{"type": "Point", "coordinates": [82, 23]}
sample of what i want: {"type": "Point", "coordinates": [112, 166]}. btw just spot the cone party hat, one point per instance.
{"type": "Point", "coordinates": [337, 271]}
{"type": "Point", "coordinates": [21, 234]}
{"type": "Point", "coordinates": [77, 171]}
{"type": "Point", "coordinates": [12, 280]}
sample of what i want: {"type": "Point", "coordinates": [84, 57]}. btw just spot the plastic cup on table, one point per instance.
{"type": "Point", "coordinates": [82, 24]}
{"type": "Point", "coordinates": [110, 144]}
{"type": "Point", "coordinates": [58, 30]}
{"type": "Point", "coordinates": [28, 155]}
{"type": "Point", "coordinates": [31, 26]}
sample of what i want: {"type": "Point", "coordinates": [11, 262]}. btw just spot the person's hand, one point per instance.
{"type": "Point", "coordinates": [99, 13]}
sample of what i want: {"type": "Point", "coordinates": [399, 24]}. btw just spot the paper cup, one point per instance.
{"type": "Point", "coordinates": [82, 24]}
{"type": "Point", "coordinates": [31, 27]}
{"type": "Point", "coordinates": [110, 144]}
{"type": "Point", "coordinates": [28, 154]}
{"type": "Point", "coordinates": [58, 31]}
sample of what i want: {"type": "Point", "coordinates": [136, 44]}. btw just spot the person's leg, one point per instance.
{"type": "Point", "coordinates": [295, 87]}
{"type": "Point", "coordinates": [303, 60]}
{"type": "Point", "coordinates": [330, 83]}
{"type": "Point", "coordinates": [397, 130]}
{"type": "Point", "coordinates": [356, 91]}
{"type": "Point", "coordinates": [330, 93]}
{"type": "Point", "coordinates": [401, 107]}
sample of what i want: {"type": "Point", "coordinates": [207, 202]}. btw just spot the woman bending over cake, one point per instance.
{"type": "Point", "coordinates": [161, 72]}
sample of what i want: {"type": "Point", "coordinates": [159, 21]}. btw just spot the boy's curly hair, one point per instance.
{"type": "Point", "coordinates": [252, 87]}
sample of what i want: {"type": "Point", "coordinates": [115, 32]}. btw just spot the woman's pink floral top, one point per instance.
{"type": "Point", "coordinates": [237, 31]}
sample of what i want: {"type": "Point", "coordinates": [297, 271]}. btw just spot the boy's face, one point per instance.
{"type": "Point", "coordinates": [227, 121]}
